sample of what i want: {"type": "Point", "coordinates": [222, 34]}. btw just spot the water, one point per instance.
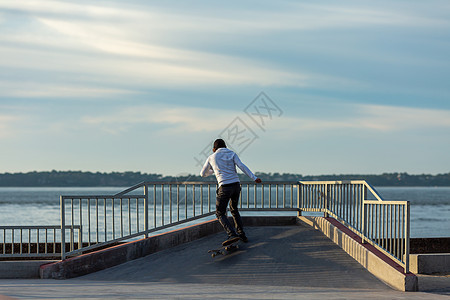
{"type": "Point", "coordinates": [430, 206]}
{"type": "Point", "coordinates": [39, 206]}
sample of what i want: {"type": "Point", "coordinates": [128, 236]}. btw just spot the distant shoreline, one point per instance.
{"type": "Point", "coordinates": [125, 179]}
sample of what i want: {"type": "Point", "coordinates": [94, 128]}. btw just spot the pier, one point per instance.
{"type": "Point", "coordinates": [158, 248]}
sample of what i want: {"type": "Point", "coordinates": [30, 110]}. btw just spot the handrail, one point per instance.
{"type": "Point", "coordinates": [130, 189]}
{"type": "Point", "coordinates": [141, 184]}
{"type": "Point", "coordinates": [384, 202]}
{"type": "Point", "coordinates": [372, 190]}
{"type": "Point", "coordinates": [383, 224]}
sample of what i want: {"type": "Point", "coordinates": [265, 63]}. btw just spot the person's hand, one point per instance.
{"type": "Point", "coordinates": [258, 180]}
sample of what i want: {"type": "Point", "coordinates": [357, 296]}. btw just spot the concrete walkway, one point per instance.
{"type": "Point", "coordinates": [276, 256]}
{"type": "Point", "coordinates": [289, 262]}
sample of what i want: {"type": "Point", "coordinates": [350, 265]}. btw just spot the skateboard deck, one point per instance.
{"type": "Point", "coordinates": [225, 249]}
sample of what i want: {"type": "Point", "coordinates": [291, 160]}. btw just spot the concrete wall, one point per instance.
{"type": "Point", "coordinates": [430, 263]}
{"type": "Point", "coordinates": [374, 261]}
{"type": "Point", "coordinates": [21, 269]}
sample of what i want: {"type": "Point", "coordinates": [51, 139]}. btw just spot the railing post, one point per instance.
{"type": "Point", "coordinates": [80, 232]}
{"type": "Point", "coordinates": [298, 199]}
{"type": "Point", "coordinates": [364, 213]}
{"type": "Point", "coordinates": [72, 247]}
{"type": "Point", "coordinates": [262, 195]}
{"type": "Point", "coordinates": [63, 228]}
{"type": "Point", "coordinates": [146, 210]}
{"type": "Point", "coordinates": [407, 219]}
{"type": "Point", "coordinates": [80, 239]}
{"type": "Point", "coordinates": [325, 213]}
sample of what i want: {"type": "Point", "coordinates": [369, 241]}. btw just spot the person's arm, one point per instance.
{"type": "Point", "coordinates": [207, 169]}
{"type": "Point", "coordinates": [245, 169]}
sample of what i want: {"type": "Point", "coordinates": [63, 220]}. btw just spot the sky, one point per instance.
{"type": "Point", "coordinates": [306, 87]}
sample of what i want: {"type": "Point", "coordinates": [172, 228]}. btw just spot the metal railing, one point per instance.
{"type": "Point", "coordinates": [34, 241]}
{"type": "Point", "coordinates": [383, 224]}
{"type": "Point", "coordinates": [95, 221]}
{"type": "Point", "coordinates": [151, 206]}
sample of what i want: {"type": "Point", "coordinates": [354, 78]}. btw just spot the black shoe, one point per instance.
{"type": "Point", "coordinates": [231, 240]}
{"type": "Point", "coordinates": [243, 237]}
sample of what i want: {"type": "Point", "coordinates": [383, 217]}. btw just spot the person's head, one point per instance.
{"type": "Point", "coordinates": [219, 143]}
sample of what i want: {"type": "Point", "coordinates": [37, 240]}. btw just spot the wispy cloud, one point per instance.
{"type": "Point", "coordinates": [392, 118]}
{"type": "Point", "coordinates": [319, 16]}
{"type": "Point", "coordinates": [46, 90]}
{"type": "Point", "coordinates": [51, 7]}
{"type": "Point", "coordinates": [177, 120]}
{"type": "Point", "coordinates": [170, 119]}
{"type": "Point", "coordinates": [94, 51]}
{"type": "Point", "coordinates": [7, 124]}
{"type": "Point", "coordinates": [368, 119]}
{"type": "Point", "coordinates": [131, 48]}
{"type": "Point", "coordinates": [163, 63]}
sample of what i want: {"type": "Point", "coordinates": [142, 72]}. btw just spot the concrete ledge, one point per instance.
{"type": "Point", "coordinates": [430, 263]}
{"type": "Point", "coordinates": [109, 257]}
{"type": "Point", "coordinates": [21, 269]}
{"type": "Point", "coordinates": [430, 245]}
{"type": "Point", "coordinates": [368, 256]}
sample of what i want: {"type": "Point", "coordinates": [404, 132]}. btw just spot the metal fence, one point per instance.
{"type": "Point", "coordinates": [153, 206]}
{"type": "Point", "coordinates": [95, 221]}
{"type": "Point", "coordinates": [356, 204]}
{"type": "Point", "coordinates": [34, 241]}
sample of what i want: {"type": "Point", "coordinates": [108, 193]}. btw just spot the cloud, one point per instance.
{"type": "Point", "coordinates": [320, 16]}
{"type": "Point", "coordinates": [94, 52]}
{"type": "Point", "coordinates": [125, 44]}
{"type": "Point", "coordinates": [176, 120]}
{"type": "Point", "coordinates": [365, 118]}
{"type": "Point", "coordinates": [145, 46]}
{"type": "Point", "coordinates": [225, 17]}
{"type": "Point", "coordinates": [50, 7]}
{"type": "Point", "coordinates": [7, 123]}
{"type": "Point", "coordinates": [394, 118]}
{"type": "Point", "coordinates": [171, 119]}
{"type": "Point", "coordinates": [28, 89]}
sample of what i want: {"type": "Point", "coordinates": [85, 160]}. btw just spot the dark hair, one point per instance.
{"type": "Point", "coordinates": [219, 143]}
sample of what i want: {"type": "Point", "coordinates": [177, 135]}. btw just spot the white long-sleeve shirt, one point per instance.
{"type": "Point", "coordinates": [222, 163]}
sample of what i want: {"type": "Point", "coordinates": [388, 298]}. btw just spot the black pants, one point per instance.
{"type": "Point", "coordinates": [229, 193]}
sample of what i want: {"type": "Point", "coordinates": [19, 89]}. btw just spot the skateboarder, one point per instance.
{"type": "Point", "coordinates": [222, 163]}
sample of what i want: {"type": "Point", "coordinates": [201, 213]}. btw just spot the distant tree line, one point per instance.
{"type": "Point", "coordinates": [385, 179]}
{"type": "Point", "coordinates": [124, 179]}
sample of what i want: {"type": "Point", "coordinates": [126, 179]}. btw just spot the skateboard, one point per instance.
{"type": "Point", "coordinates": [226, 249]}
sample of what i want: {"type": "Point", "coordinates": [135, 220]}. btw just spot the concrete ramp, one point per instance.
{"type": "Point", "coordinates": [279, 262]}
{"type": "Point", "coordinates": [296, 256]}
